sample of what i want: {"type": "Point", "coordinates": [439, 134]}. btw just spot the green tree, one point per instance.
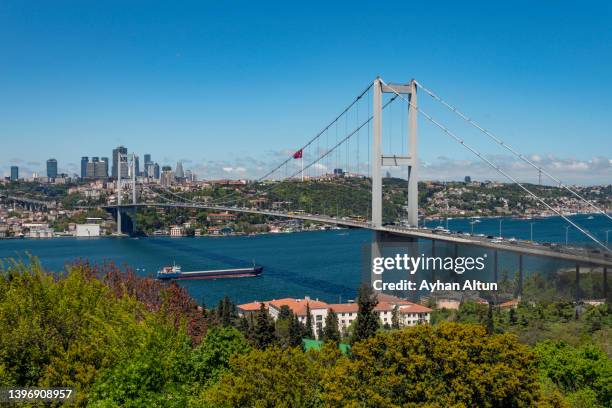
{"type": "Point", "coordinates": [577, 370]}
{"type": "Point", "coordinates": [269, 378]}
{"type": "Point", "coordinates": [395, 321]}
{"type": "Point", "coordinates": [330, 331]}
{"type": "Point", "coordinates": [434, 366]}
{"type": "Point", "coordinates": [309, 332]}
{"type": "Point", "coordinates": [296, 332]}
{"type": "Point", "coordinates": [367, 321]}
{"type": "Point", "coordinates": [157, 374]}
{"type": "Point", "coordinates": [283, 326]}
{"type": "Point", "coordinates": [212, 356]}
{"type": "Point", "coordinates": [490, 323]}
{"type": "Point", "coordinates": [226, 311]}
{"type": "Point", "coordinates": [263, 332]}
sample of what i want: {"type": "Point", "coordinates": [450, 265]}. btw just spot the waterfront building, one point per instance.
{"type": "Point", "coordinates": [51, 168]}
{"type": "Point", "coordinates": [14, 173]}
{"type": "Point", "coordinates": [87, 230]}
{"type": "Point", "coordinates": [84, 161]}
{"type": "Point", "coordinates": [120, 162]}
{"type": "Point", "coordinates": [177, 231]}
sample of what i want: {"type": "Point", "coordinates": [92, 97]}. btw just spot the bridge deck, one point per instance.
{"type": "Point", "coordinates": [578, 255]}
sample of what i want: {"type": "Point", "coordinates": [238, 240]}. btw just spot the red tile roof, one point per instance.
{"type": "Point", "coordinates": [298, 306]}
{"type": "Point", "coordinates": [345, 307]}
{"type": "Point", "coordinates": [414, 308]}
{"type": "Point", "coordinates": [252, 307]}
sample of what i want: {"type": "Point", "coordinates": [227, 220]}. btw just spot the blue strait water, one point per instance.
{"type": "Point", "coordinates": [324, 264]}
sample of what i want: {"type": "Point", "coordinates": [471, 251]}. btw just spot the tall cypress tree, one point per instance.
{"type": "Point", "coordinates": [296, 332]}
{"type": "Point", "coordinates": [263, 333]}
{"type": "Point", "coordinates": [330, 331]}
{"type": "Point", "coordinates": [308, 333]}
{"type": "Point", "coordinates": [490, 322]}
{"type": "Point", "coordinates": [367, 321]}
{"type": "Point", "coordinates": [395, 323]}
{"type": "Point", "coordinates": [283, 326]}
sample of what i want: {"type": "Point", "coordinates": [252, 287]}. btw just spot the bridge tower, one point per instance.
{"type": "Point", "coordinates": [379, 160]}
{"type": "Point", "coordinates": [119, 186]}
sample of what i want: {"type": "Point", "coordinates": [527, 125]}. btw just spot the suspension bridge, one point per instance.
{"type": "Point", "coordinates": [377, 131]}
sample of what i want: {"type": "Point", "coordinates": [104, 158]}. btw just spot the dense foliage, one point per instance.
{"type": "Point", "coordinates": [120, 340]}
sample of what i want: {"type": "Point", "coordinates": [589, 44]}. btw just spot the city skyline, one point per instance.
{"type": "Point", "coordinates": [211, 87]}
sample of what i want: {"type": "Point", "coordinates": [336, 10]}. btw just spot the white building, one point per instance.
{"type": "Point", "coordinates": [177, 231]}
{"type": "Point", "coordinates": [87, 230]}
{"type": "Point", "coordinates": [409, 313]}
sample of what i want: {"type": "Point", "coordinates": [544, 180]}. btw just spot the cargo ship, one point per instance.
{"type": "Point", "coordinates": [174, 272]}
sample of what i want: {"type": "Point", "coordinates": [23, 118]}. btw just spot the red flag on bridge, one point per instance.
{"type": "Point", "coordinates": [298, 154]}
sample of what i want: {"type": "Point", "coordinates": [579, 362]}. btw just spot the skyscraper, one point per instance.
{"type": "Point", "coordinates": [137, 165]}
{"type": "Point", "coordinates": [52, 168]}
{"type": "Point", "coordinates": [84, 161]}
{"type": "Point", "coordinates": [14, 173]}
{"type": "Point", "coordinates": [120, 163]}
{"type": "Point", "coordinates": [147, 161]}
{"type": "Point", "coordinates": [91, 170]}
{"type": "Point", "coordinates": [179, 174]}
{"type": "Point", "coordinates": [149, 170]}
{"type": "Point", "coordinates": [156, 173]}
{"type": "Point", "coordinates": [105, 169]}
{"type": "Point", "coordinates": [167, 176]}
{"type": "Point", "coordinates": [100, 169]}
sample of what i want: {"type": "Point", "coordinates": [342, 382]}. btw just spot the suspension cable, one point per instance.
{"type": "Point", "coordinates": [510, 148]}
{"type": "Point", "coordinates": [339, 143]}
{"type": "Point", "coordinates": [497, 168]}
{"type": "Point", "coordinates": [320, 133]}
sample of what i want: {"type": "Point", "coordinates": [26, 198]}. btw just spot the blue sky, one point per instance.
{"type": "Point", "coordinates": [232, 85]}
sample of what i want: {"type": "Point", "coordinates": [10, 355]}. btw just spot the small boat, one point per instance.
{"type": "Point", "coordinates": [174, 272]}
{"type": "Point", "coordinates": [590, 217]}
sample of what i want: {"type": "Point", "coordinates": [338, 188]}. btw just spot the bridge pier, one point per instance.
{"type": "Point", "coordinates": [125, 218]}
{"type": "Point", "coordinates": [382, 240]}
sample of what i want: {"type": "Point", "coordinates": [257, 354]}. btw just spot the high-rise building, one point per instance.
{"type": "Point", "coordinates": [84, 161]}
{"type": "Point", "coordinates": [147, 161]}
{"type": "Point", "coordinates": [91, 170]}
{"type": "Point", "coordinates": [179, 174]}
{"type": "Point", "coordinates": [149, 170]}
{"type": "Point", "coordinates": [100, 170]}
{"type": "Point", "coordinates": [120, 162]}
{"type": "Point", "coordinates": [105, 170]}
{"type": "Point", "coordinates": [156, 173]}
{"type": "Point", "coordinates": [189, 175]}
{"type": "Point", "coordinates": [52, 168]}
{"type": "Point", "coordinates": [14, 173]}
{"type": "Point", "coordinates": [137, 165]}
{"type": "Point", "coordinates": [167, 176]}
